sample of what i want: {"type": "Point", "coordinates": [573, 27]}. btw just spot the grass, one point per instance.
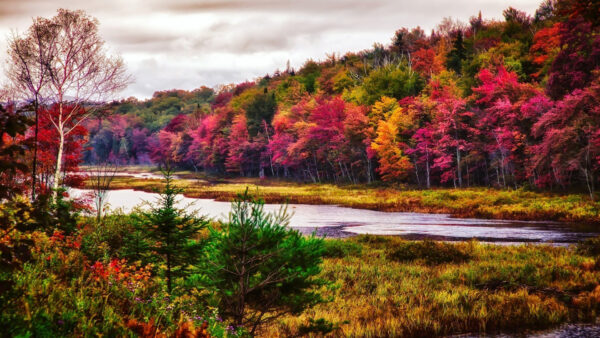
{"type": "Point", "coordinates": [467, 202]}
{"type": "Point", "coordinates": [468, 287]}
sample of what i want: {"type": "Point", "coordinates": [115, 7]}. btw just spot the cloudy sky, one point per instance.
{"type": "Point", "coordinates": [188, 43]}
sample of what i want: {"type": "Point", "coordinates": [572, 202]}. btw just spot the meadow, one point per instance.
{"type": "Point", "coordinates": [480, 202]}
{"type": "Point", "coordinates": [386, 286]}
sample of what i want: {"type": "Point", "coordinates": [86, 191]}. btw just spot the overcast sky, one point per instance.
{"type": "Point", "coordinates": [188, 43]}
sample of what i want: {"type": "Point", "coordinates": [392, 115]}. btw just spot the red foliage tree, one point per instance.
{"type": "Point", "coordinates": [570, 137]}
{"type": "Point", "coordinates": [49, 143]}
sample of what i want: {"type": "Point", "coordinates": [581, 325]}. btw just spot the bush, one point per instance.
{"type": "Point", "coordinates": [589, 247]}
{"type": "Point", "coordinates": [62, 293]}
{"type": "Point", "coordinates": [319, 326]}
{"type": "Point", "coordinates": [107, 238]}
{"type": "Point", "coordinates": [372, 239]}
{"type": "Point", "coordinates": [339, 248]}
{"type": "Point", "coordinates": [432, 253]}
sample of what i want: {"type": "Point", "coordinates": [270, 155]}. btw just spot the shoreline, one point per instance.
{"type": "Point", "coordinates": [486, 203]}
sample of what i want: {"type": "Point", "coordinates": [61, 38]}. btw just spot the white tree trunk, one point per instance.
{"type": "Point", "coordinates": [59, 155]}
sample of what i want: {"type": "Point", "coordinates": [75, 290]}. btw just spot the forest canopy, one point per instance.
{"type": "Point", "coordinates": [504, 103]}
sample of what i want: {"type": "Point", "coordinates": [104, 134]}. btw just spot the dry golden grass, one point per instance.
{"type": "Point", "coordinates": [468, 202]}
{"type": "Point", "coordinates": [497, 289]}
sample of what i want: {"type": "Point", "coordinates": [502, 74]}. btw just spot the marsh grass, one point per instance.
{"type": "Point", "coordinates": [429, 252]}
{"type": "Point", "coordinates": [496, 289]}
{"type": "Point", "coordinates": [469, 202]}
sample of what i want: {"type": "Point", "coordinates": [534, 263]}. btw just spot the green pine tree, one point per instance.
{"type": "Point", "coordinates": [174, 233]}
{"type": "Point", "coordinates": [457, 54]}
{"type": "Point", "coordinates": [136, 243]}
{"type": "Point", "coordinates": [259, 268]}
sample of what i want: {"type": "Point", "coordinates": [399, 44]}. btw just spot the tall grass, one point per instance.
{"type": "Point", "coordinates": [490, 288]}
{"type": "Point", "coordinates": [469, 202]}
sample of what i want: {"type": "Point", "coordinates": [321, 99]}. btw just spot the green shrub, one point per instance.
{"type": "Point", "coordinates": [372, 239]}
{"type": "Point", "coordinates": [430, 252]}
{"type": "Point", "coordinates": [107, 238]}
{"type": "Point", "coordinates": [317, 326]}
{"type": "Point", "coordinates": [339, 248]}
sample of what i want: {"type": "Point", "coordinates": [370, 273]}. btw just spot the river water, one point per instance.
{"type": "Point", "coordinates": [336, 221]}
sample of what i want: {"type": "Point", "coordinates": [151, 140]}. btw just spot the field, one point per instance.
{"type": "Point", "coordinates": [384, 286]}
{"type": "Point", "coordinates": [468, 202]}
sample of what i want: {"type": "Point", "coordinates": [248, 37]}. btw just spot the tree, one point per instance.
{"type": "Point", "coordinates": [259, 268]}
{"type": "Point", "coordinates": [457, 54]}
{"type": "Point", "coordinates": [13, 147]}
{"type": "Point", "coordinates": [579, 55]}
{"type": "Point", "coordinates": [454, 133]}
{"type": "Point", "coordinates": [546, 44]}
{"type": "Point", "coordinates": [394, 164]}
{"type": "Point", "coordinates": [238, 145]}
{"type": "Point", "coordinates": [29, 56]}
{"type": "Point", "coordinates": [397, 81]}
{"type": "Point", "coordinates": [570, 138]}
{"type": "Point", "coordinates": [427, 62]}
{"type": "Point", "coordinates": [503, 124]}
{"type": "Point", "coordinates": [48, 141]}
{"type": "Point", "coordinates": [101, 178]}
{"type": "Point", "coordinates": [423, 150]}
{"type": "Point", "coordinates": [174, 232]}
{"type": "Point", "coordinates": [79, 73]}
{"type": "Point", "coordinates": [262, 108]}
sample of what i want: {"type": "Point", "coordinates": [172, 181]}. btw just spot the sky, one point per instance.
{"type": "Point", "coordinates": [184, 44]}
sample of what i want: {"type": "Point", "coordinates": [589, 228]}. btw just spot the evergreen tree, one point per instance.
{"type": "Point", "coordinates": [457, 54]}
{"type": "Point", "coordinates": [136, 244]}
{"type": "Point", "coordinates": [261, 109]}
{"type": "Point", "coordinates": [259, 268]}
{"type": "Point", "coordinates": [173, 232]}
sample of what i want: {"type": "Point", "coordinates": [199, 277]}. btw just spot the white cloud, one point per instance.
{"type": "Point", "coordinates": [185, 44]}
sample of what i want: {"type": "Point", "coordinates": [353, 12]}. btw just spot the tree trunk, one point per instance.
{"type": "Point", "coordinates": [369, 178]}
{"type": "Point", "coordinates": [417, 173]}
{"type": "Point", "coordinates": [427, 167]}
{"type": "Point", "coordinates": [59, 155]}
{"type": "Point", "coordinates": [316, 168]}
{"type": "Point", "coordinates": [35, 144]}
{"type": "Point", "coordinates": [458, 167]}
{"type": "Point", "coordinates": [497, 175]}
{"type": "Point", "coordinates": [169, 285]}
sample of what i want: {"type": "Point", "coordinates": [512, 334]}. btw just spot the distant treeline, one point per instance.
{"type": "Point", "coordinates": [495, 103]}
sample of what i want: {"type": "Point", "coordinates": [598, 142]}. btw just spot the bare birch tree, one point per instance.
{"type": "Point", "coordinates": [28, 57]}
{"type": "Point", "coordinates": [81, 73]}
{"type": "Point", "coordinates": [101, 177]}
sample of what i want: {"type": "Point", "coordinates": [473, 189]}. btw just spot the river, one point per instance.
{"type": "Point", "coordinates": [336, 221]}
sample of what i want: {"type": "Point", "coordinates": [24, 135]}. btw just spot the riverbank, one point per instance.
{"type": "Point", "coordinates": [337, 221]}
{"type": "Point", "coordinates": [468, 202]}
{"type": "Point", "coordinates": [385, 286]}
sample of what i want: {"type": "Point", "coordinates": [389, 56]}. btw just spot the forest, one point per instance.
{"type": "Point", "coordinates": [510, 103]}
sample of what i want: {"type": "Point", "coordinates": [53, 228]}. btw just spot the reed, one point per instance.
{"type": "Point", "coordinates": [467, 202]}
{"type": "Point", "coordinates": [469, 287]}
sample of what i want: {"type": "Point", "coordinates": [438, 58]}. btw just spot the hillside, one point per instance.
{"type": "Point", "coordinates": [487, 103]}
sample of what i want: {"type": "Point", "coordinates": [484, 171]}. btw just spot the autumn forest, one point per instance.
{"type": "Point", "coordinates": [487, 103]}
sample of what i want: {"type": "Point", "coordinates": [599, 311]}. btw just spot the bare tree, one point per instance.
{"type": "Point", "coordinates": [63, 60]}
{"type": "Point", "coordinates": [28, 57]}
{"type": "Point", "coordinates": [101, 178]}
{"type": "Point", "coordinates": [80, 74]}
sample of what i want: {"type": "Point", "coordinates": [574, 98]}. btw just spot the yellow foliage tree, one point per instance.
{"type": "Point", "coordinates": [394, 165]}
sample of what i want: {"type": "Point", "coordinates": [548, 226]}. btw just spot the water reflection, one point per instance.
{"type": "Point", "coordinates": [335, 221]}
